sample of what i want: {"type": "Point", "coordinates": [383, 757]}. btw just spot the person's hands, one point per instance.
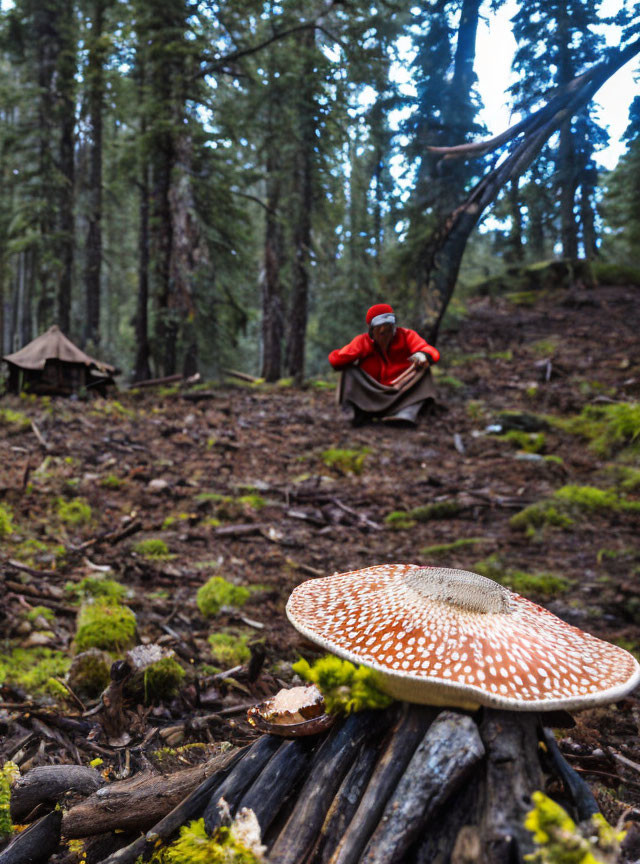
{"type": "Point", "coordinates": [419, 359]}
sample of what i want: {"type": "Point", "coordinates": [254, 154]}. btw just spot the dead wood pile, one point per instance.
{"type": "Point", "coordinates": [411, 784]}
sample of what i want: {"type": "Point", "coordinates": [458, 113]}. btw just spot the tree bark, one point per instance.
{"type": "Point", "coordinates": [95, 83]}
{"type": "Point", "coordinates": [139, 802]}
{"type": "Point", "coordinates": [271, 292]}
{"type": "Point", "coordinates": [142, 370]}
{"type": "Point", "coordinates": [65, 75]}
{"type": "Point", "coordinates": [302, 231]}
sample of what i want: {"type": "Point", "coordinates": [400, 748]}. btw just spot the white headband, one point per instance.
{"type": "Point", "coordinates": [385, 318]}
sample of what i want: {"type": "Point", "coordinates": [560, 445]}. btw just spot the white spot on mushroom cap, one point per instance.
{"type": "Point", "coordinates": [509, 656]}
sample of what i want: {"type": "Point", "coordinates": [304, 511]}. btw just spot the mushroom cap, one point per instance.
{"type": "Point", "coordinates": [450, 637]}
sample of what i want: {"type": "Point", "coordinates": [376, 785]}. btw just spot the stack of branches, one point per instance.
{"type": "Point", "coordinates": [410, 784]}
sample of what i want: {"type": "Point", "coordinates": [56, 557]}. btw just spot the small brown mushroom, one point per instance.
{"type": "Point", "coordinates": [292, 713]}
{"type": "Point", "coordinates": [450, 637]}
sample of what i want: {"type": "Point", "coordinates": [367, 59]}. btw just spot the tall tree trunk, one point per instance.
{"type": "Point", "coordinates": [270, 289]}
{"type": "Point", "coordinates": [142, 370]}
{"type": "Point", "coordinates": [95, 84]}
{"type": "Point", "coordinates": [188, 253]}
{"type": "Point", "coordinates": [302, 230]}
{"type": "Point", "coordinates": [566, 169]}
{"type": "Point", "coordinates": [46, 47]}
{"type": "Point", "coordinates": [463, 74]}
{"type": "Point", "coordinates": [516, 246]}
{"type": "Point", "coordinates": [587, 217]}
{"type": "Point", "coordinates": [66, 73]}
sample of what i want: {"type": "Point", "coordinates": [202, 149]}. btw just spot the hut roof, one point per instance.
{"type": "Point", "coordinates": [53, 345]}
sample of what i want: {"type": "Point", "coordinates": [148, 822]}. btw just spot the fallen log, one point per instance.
{"type": "Point", "coordinates": [189, 809]}
{"type": "Point", "coordinates": [48, 784]}
{"type": "Point", "coordinates": [136, 804]}
{"type": "Point", "coordinates": [37, 843]}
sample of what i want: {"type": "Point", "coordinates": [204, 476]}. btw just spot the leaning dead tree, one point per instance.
{"type": "Point", "coordinates": [527, 138]}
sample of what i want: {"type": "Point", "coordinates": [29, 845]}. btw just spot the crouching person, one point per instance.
{"type": "Point", "coordinates": [385, 372]}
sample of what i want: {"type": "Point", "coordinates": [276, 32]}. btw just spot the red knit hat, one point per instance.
{"type": "Point", "coordinates": [378, 309]}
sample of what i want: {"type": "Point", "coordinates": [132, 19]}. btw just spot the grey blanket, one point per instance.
{"type": "Point", "coordinates": [362, 393]}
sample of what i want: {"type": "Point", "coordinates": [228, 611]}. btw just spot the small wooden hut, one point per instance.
{"type": "Point", "coordinates": [52, 364]}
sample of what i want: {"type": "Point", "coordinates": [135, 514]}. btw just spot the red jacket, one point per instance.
{"type": "Point", "coordinates": [371, 359]}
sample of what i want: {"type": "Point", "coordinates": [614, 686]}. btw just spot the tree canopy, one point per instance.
{"type": "Point", "coordinates": [191, 185]}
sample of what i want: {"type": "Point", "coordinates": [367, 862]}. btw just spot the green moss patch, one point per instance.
{"type": "Point", "coordinates": [9, 773]}
{"type": "Point", "coordinates": [162, 680]}
{"type": "Point", "coordinates": [530, 442]}
{"type": "Point", "coordinates": [558, 840]}
{"type": "Point", "coordinates": [16, 421]}
{"type": "Point", "coordinates": [228, 649]}
{"type": "Point", "coordinates": [97, 588]}
{"type": "Point", "coordinates": [441, 549]}
{"type": "Point", "coordinates": [218, 592]}
{"type": "Point", "coordinates": [6, 521]}
{"type": "Point", "coordinates": [75, 512]}
{"type": "Point", "coordinates": [90, 672]}
{"type": "Point", "coordinates": [34, 669]}
{"type": "Point", "coordinates": [345, 461]}
{"type": "Point", "coordinates": [105, 625]}
{"type": "Point", "coordinates": [399, 520]}
{"type": "Point", "coordinates": [345, 687]}
{"type": "Point", "coordinates": [540, 584]}
{"type": "Point", "coordinates": [195, 846]}
{"type": "Point", "coordinates": [153, 548]}
{"type": "Point", "coordinates": [608, 428]}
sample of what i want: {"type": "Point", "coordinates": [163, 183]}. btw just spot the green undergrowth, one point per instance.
{"type": "Point", "coordinates": [105, 625]}
{"type": "Point", "coordinates": [162, 680]}
{"type": "Point", "coordinates": [624, 477]}
{"type": "Point", "coordinates": [195, 846]}
{"type": "Point", "coordinates": [345, 461]}
{"type": "Point", "coordinates": [34, 670]}
{"type": "Point", "coordinates": [229, 649]}
{"type": "Point", "coordinates": [226, 507]}
{"type": "Point", "coordinates": [219, 592]}
{"type": "Point", "coordinates": [96, 588]}
{"type": "Point", "coordinates": [153, 549]}
{"type": "Point", "coordinates": [346, 688]}
{"type": "Point", "coordinates": [400, 520]}
{"type": "Point", "coordinates": [558, 840]}
{"type": "Point", "coordinates": [40, 612]}
{"type": "Point", "coordinates": [75, 512]}
{"type": "Point", "coordinates": [529, 442]}
{"type": "Point", "coordinates": [569, 503]}
{"type": "Point", "coordinates": [112, 481]}
{"type": "Point", "coordinates": [609, 428]}
{"type": "Point", "coordinates": [612, 273]}
{"type": "Point", "coordinates": [440, 549]}
{"type": "Point", "coordinates": [8, 774]}
{"type": "Point", "coordinates": [540, 584]}
{"type": "Point", "coordinates": [16, 421]}
{"type": "Point", "coordinates": [6, 520]}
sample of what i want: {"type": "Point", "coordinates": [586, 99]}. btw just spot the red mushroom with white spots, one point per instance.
{"type": "Point", "coordinates": [449, 637]}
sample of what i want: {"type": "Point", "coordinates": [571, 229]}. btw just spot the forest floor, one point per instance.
{"type": "Point", "coordinates": [248, 482]}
